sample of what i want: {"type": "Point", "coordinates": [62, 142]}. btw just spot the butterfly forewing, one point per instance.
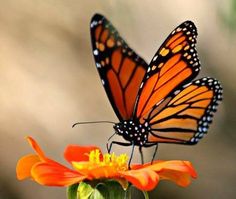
{"type": "Point", "coordinates": [161, 101]}
{"type": "Point", "coordinates": [120, 68]}
{"type": "Point", "coordinates": [185, 116]}
{"type": "Point", "coordinates": [175, 63]}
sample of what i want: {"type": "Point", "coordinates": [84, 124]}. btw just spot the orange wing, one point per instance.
{"type": "Point", "coordinates": [185, 116]}
{"type": "Point", "coordinates": [120, 68]}
{"type": "Point", "coordinates": [175, 63]}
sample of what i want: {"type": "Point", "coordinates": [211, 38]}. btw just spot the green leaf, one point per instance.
{"type": "Point", "coordinates": [97, 194]}
{"type": "Point", "coordinates": [84, 190]}
{"type": "Point", "coordinates": [72, 191]}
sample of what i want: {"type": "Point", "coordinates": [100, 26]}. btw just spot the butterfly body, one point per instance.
{"type": "Point", "coordinates": [158, 102]}
{"type": "Point", "coordinates": [133, 132]}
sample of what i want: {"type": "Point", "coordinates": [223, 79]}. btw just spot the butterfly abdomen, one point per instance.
{"type": "Point", "coordinates": [133, 132]}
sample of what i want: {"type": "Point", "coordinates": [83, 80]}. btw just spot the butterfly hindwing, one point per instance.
{"type": "Point", "coordinates": [120, 68]}
{"type": "Point", "coordinates": [185, 116]}
{"type": "Point", "coordinates": [175, 63]}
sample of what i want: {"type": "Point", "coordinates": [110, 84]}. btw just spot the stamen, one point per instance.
{"type": "Point", "coordinates": [94, 156]}
{"type": "Point", "coordinates": [108, 159]}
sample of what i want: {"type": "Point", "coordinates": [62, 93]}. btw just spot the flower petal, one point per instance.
{"type": "Point", "coordinates": [178, 165]}
{"type": "Point", "coordinates": [36, 148]}
{"type": "Point", "coordinates": [24, 166]}
{"type": "Point", "coordinates": [180, 174]}
{"type": "Point", "coordinates": [180, 178]}
{"type": "Point", "coordinates": [177, 171]}
{"type": "Point", "coordinates": [75, 153]}
{"type": "Point", "coordinates": [191, 169]}
{"type": "Point", "coordinates": [95, 171]}
{"type": "Point", "coordinates": [140, 166]}
{"type": "Point", "coordinates": [55, 174]}
{"type": "Point", "coordinates": [143, 179]}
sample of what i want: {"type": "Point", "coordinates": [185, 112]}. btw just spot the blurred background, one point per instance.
{"type": "Point", "coordinates": [48, 81]}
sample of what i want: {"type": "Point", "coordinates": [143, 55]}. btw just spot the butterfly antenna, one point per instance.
{"type": "Point", "coordinates": [92, 122]}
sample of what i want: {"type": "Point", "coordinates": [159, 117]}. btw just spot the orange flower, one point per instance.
{"type": "Point", "coordinates": [89, 163]}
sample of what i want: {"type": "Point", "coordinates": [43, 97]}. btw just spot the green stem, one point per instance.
{"type": "Point", "coordinates": [145, 194]}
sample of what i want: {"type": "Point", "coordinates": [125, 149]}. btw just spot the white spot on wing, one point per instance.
{"type": "Point", "coordinates": [95, 52]}
{"type": "Point", "coordinates": [141, 85]}
{"type": "Point", "coordinates": [176, 92]}
{"type": "Point", "coordinates": [154, 59]}
{"type": "Point", "coordinates": [186, 85]}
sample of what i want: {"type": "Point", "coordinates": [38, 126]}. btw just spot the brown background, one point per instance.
{"type": "Point", "coordinates": [48, 81]}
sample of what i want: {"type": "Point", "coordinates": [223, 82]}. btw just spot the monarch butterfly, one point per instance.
{"type": "Point", "coordinates": [157, 102]}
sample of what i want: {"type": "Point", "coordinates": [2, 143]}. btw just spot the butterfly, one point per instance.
{"type": "Point", "coordinates": [158, 102]}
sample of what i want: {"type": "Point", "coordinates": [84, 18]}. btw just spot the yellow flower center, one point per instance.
{"type": "Point", "coordinates": [120, 162]}
{"type": "Point", "coordinates": [98, 165]}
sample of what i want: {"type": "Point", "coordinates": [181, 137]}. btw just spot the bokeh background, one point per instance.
{"type": "Point", "coordinates": [48, 81]}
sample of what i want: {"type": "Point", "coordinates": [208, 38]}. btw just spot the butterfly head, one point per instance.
{"type": "Point", "coordinates": [133, 131]}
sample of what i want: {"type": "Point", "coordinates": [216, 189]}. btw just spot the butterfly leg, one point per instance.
{"type": "Point", "coordinates": [107, 145]}
{"type": "Point", "coordinates": [155, 152]}
{"type": "Point", "coordinates": [118, 143]}
{"type": "Point", "coordinates": [141, 153]}
{"type": "Point", "coordinates": [132, 153]}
